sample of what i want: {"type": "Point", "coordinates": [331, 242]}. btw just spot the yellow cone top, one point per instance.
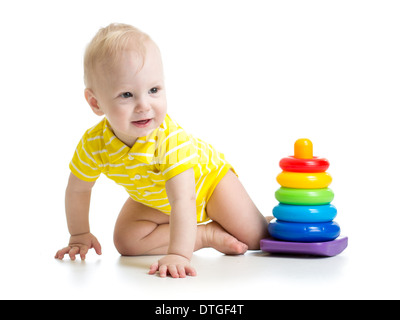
{"type": "Point", "coordinates": [303, 149]}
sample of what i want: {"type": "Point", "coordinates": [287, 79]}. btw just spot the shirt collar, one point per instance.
{"type": "Point", "coordinates": [143, 150]}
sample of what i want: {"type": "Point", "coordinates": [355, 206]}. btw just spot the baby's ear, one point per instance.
{"type": "Point", "coordinates": [92, 100]}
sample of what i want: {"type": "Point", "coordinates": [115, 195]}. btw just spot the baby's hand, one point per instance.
{"type": "Point", "coordinates": [175, 265]}
{"type": "Point", "coordinates": [79, 244]}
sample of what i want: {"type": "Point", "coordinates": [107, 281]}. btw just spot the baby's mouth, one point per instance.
{"type": "Point", "coordinates": [141, 123]}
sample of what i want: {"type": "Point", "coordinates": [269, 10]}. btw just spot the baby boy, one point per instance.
{"type": "Point", "coordinates": [175, 181]}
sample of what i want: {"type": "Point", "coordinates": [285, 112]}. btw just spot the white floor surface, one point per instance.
{"type": "Point", "coordinates": [355, 274]}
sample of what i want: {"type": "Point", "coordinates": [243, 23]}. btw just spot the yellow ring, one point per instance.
{"type": "Point", "coordinates": [302, 180]}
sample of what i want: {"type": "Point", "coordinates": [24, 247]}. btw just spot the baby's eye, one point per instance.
{"type": "Point", "coordinates": [153, 90]}
{"type": "Point", "coordinates": [126, 95]}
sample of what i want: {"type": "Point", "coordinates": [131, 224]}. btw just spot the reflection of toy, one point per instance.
{"type": "Point", "coordinates": [304, 216]}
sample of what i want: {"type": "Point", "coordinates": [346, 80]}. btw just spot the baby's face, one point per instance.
{"type": "Point", "coordinates": [133, 99]}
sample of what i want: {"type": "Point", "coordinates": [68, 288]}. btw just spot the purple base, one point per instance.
{"type": "Point", "coordinates": [328, 248]}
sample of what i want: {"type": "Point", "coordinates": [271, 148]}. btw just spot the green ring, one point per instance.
{"type": "Point", "coordinates": [304, 197]}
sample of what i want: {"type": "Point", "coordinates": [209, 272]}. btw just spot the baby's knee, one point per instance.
{"type": "Point", "coordinates": [126, 246]}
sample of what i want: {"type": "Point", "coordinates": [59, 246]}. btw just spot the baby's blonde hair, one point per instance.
{"type": "Point", "coordinates": [107, 45]}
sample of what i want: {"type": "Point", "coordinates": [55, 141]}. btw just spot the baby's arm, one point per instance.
{"type": "Point", "coordinates": [77, 202]}
{"type": "Point", "coordinates": [181, 193]}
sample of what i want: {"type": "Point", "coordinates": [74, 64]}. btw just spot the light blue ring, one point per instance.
{"type": "Point", "coordinates": [291, 213]}
{"type": "Point", "coordinates": [304, 232]}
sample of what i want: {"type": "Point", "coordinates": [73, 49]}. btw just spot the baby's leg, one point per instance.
{"type": "Point", "coordinates": [231, 207]}
{"type": "Point", "coordinates": [141, 230]}
{"type": "Point", "coordinates": [237, 225]}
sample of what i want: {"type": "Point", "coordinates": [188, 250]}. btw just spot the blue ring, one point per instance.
{"type": "Point", "coordinates": [304, 232]}
{"type": "Point", "coordinates": [291, 213]}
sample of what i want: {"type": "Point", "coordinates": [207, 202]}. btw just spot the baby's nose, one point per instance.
{"type": "Point", "coordinates": [142, 105]}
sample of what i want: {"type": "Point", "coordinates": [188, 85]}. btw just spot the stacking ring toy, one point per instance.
{"type": "Point", "coordinates": [301, 180]}
{"type": "Point", "coordinates": [304, 165]}
{"type": "Point", "coordinates": [289, 213]}
{"type": "Point", "coordinates": [304, 232]}
{"type": "Point", "coordinates": [304, 197]}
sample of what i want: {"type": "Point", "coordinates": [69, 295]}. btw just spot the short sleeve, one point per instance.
{"type": "Point", "coordinates": [177, 153]}
{"type": "Point", "coordinates": [83, 165]}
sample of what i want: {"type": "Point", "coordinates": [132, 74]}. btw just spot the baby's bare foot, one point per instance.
{"type": "Point", "coordinates": [219, 239]}
{"type": "Point", "coordinates": [269, 218]}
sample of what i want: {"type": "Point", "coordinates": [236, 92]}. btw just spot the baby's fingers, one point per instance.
{"type": "Point", "coordinates": [74, 251]}
{"type": "Point", "coordinates": [60, 253]}
{"type": "Point", "coordinates": [190, 271]}
{"type": "Point", "coordinates": [181, 271]}
{"type": "Point", "coordinates": [83, 251]}
{"type": "Point", "coordinates": [173, 271]}
{"type": "Point", "coordinates": [153, 268]}
{"type": "Point", "coordinates": [163, 269]}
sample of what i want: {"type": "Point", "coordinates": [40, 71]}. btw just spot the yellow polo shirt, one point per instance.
{"type": "Point", "coordinates": [143, 169]}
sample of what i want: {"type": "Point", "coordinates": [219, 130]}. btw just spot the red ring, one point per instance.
{"type": "Point", "coordinates": [293, 164]}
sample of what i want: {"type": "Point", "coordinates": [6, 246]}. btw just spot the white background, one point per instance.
{"type": "Point", "coordinates": [250, 77]}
